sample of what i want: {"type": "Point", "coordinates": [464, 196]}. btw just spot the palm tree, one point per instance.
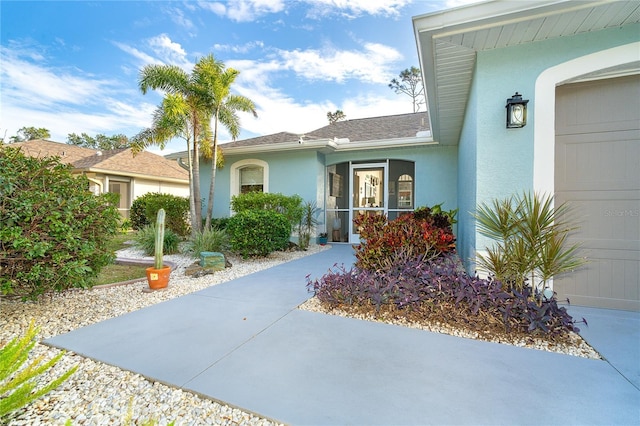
{"type": "Point", "coordinates": [185, 112]}
{"type": "Point", "coordinates": [225, 107]}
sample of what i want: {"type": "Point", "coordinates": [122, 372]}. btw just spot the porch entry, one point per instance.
{"type": "Point", "coordinates": [379, 187]}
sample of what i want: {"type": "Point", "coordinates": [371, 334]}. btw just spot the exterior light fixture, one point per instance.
{"type": "Point", "coordinates": [516, 111]}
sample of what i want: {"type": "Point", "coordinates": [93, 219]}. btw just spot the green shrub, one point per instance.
{"type": "Point", "coordinates": [412, 234]}
{"type": "Point", "coordinates": [531, 245]}
{"type": "Point", "coordinates": [258, 232]}
{"type": "Point", "coordinates": [219, 222]}
{"type": "Point", "coordinates": [19, 384]}
{"type": "Point", "coordinates": [146, 240]}
{"type": "Point", "coordinates": [53, 231]}
{"type": "Point", "coordinates": [144, 209]}
{"type": "Point", "coordinates": [289, 206]}
{"type": "Point", "coordinates": [208, 240]}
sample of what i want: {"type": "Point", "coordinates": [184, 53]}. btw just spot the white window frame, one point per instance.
{"type": "Point", "coordinates": [239, 165]}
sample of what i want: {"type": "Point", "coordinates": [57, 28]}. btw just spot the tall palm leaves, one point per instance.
{"type": "Point", "coordinates": [225, 107]}
{"type": "Point", "coordinates": [185, 112]}
{"type": "Point", "coordinates": [531, 240]}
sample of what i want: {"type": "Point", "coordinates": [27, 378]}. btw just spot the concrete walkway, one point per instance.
{"type": "Point", "coordinates": [244, 343]}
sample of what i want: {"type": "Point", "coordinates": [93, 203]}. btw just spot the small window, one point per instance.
{"type": "Point", "coordinates": [250, 175]}
{"type": "Point", "coordinates": [251, 179]}
{"type": "Point", "coordinates": [405, 192]}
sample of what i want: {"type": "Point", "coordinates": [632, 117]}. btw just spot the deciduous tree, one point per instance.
{"type": "Point", "coordinates": [100, 141]}
{"type": "Point", "coordinates": [30, 133]}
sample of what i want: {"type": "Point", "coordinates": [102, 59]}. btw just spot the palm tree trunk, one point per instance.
{"type": "Point", "coordinates": [196, 221]}
{"type": "Point", "coordinates": [192, 206]}
{"type": "Point", "coordinates": [214, 168]}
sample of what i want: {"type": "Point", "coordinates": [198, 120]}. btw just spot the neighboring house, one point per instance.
{"type": "Point", "coordinates": [578, 64]}
{"type": "Point", "coordinates": [380, 165]}
{"type": "Point", "coordinates": [116, 171]}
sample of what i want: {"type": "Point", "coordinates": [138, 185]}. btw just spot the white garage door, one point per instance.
{"type": "Point", "coordinates": [597, 171]}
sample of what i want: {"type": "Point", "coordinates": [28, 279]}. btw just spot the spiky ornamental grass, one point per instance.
{"type": "Point", "coordinates": [19, 384]}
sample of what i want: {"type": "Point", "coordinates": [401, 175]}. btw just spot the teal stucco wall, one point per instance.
{"type": "Point", "coordinates": [303, 173]}
{"type": "Point", "coordinates": [436, 170]}
{"type": "Point", "coordinates": [503, 158]}
{"type": "Point", "coordinates": [291, 172]}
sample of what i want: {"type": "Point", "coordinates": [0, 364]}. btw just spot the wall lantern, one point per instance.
{"type": "Point", "coordinates": [516, 111]}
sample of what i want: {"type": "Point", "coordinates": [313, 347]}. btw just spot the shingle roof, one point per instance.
{"type": "Point", "coordinates": [264, 140]}
{"type": "Point", "coordinates": [375, 128]}
{"type": "Point", "coordinates": [357, 130]}
{"type": "Point", "coordinates": [121, 161]}
{"type": "Point", "coordinates": [41, 148]}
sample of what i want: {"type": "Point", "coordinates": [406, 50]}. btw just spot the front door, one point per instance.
{"type": "Point", "coordinates": [368, 193]}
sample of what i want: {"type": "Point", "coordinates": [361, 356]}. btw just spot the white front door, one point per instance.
{"type": "Point", "coordinates": [369, 195]}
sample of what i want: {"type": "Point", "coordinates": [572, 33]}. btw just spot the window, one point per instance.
{"type": "Point", "coordinates": [249, 175]}
{"type": "Point", "coordinates": [251, 179]}
{"type": "Point", "coordinates": [124, 190]}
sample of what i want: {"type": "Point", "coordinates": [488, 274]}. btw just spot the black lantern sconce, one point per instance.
{"type": "Point", "coordinates": [516, 111]}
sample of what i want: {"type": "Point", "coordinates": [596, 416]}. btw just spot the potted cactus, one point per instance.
{"type": "Point", "coordinates": [158, 274]}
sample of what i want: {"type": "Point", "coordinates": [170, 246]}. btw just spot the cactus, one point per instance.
{"type": "Point", "coordinates": [159, 238]}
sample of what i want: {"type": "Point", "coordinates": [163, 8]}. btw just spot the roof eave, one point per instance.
{"type": "Point", "coordinates": [430, 29]}
{"type": "Point", "coordinates": [129, 174]}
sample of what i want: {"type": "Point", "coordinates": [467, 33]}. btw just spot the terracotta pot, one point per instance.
{"type": "Point", "coordinates": [158, 278]}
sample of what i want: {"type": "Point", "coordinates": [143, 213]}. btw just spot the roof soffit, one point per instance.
{"type": "Point", "coordinates": [447, 43]}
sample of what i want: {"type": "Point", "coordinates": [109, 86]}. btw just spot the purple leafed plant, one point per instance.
{"type": "Point", "coordinates": [439, 289]}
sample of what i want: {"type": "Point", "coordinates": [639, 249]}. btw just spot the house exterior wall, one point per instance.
{"type": "Point", "coordinates": [144, 186]}
{"type": "Point", "coordinates": [293, 172]}
{"type": "Point", "coordinates": [504, 158]}
{"type": "Point", "coordinates": [467, 169]}
{"type": "Point", "coordinates": [436, 166]}
{"type": "Point", "coordinates": [303, 173]}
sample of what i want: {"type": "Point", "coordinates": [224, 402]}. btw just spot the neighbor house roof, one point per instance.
{"type": "Point", "coordinates": [116, 161]}
{"type": "Point", "coordinates": [363, 133]}
{"type": "Point", "coordinates": [448, 41]}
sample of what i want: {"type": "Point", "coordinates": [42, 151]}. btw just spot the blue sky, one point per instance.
{"type": "Point", "coordinates": [72, 67]}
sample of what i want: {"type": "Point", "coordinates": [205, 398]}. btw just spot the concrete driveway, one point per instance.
{"type": "Point", "coordinates": [244, 343]}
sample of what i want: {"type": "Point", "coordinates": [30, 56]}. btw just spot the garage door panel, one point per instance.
{"type": "Point", "coordinates": [597, 173]}
{"type": "Point", "coordinates": [600, 161]}
{"type": "Point", "coordinates": [614, 221]}
{"type": "Point", "coordinates": [596, 106]}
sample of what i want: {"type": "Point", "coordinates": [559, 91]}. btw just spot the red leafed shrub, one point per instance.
{"type": "Point", "coordinates": [425, 236]}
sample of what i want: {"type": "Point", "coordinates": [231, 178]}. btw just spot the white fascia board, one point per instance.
{"type": "Point", "coordinates": [323, 145]}
{"type": "Point", "coordinates": [475, 16]}
{"type": "Point", "coordinates": [385, 143]}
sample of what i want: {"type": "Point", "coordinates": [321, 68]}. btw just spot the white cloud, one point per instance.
{"type": "Point", "coordinates": [143, 57]}
{"type": "Point", "coordinates": [39, 86]}
{"type": "Point", "coordinates": [162, 50]}
{"type": "Point", "coordinates": [177, 16]}
{"type": "Point", "coordinates": [356, 8]}
{"type": "Point", "coordinates": [64, 100]}
{"type": "Point", "coordinates": [371, 65]}
{"type": "Point", "coordinates": [244, 10]}
{"type": "Point", "coordinates": [239, 48]}
{"type": "Point", "coordinates": [212, 6]}
{"type": "Point", "coordinates": [278, 112]}
{"type": "Point", "coordinates": [169, 51]}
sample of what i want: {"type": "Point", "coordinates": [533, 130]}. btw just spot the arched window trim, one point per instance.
{"type": "Point", "coordinates": [239, 165]}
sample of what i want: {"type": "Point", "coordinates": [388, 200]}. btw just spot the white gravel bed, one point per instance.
{"type": "Point", "coordinates": [99, 394]}
{"type": "Point", "coordinates": [578, 346]}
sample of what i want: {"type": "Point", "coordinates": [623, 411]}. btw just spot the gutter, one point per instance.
{"type": "Point", "coordinates": [325, 146]}
{"type": "Point", "coordinates": [134, 175]}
